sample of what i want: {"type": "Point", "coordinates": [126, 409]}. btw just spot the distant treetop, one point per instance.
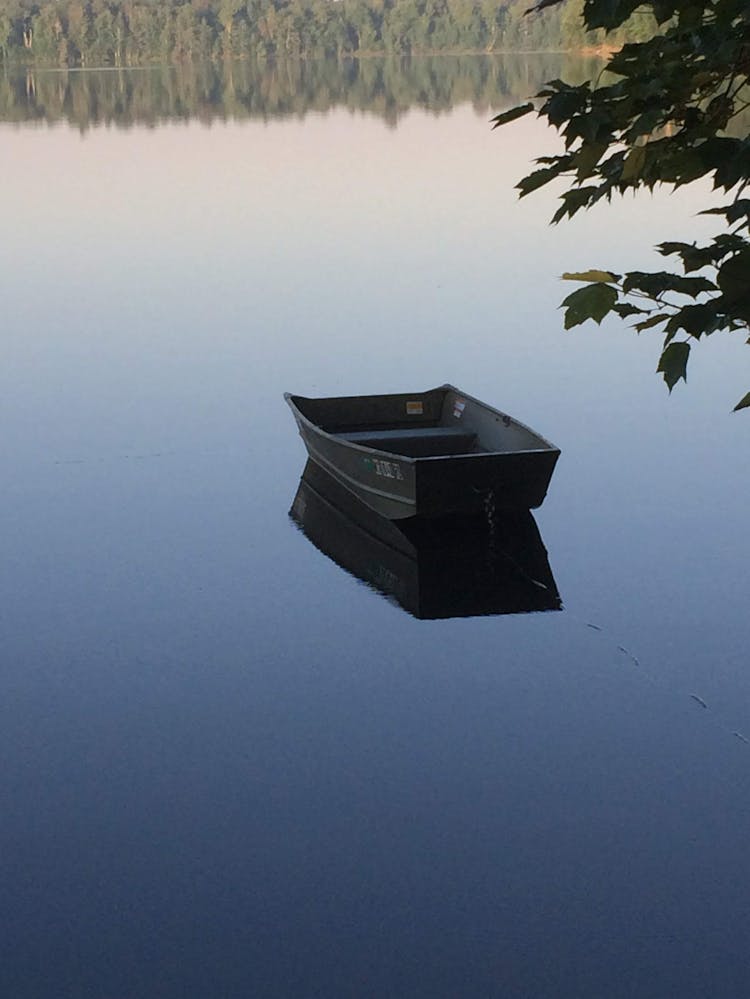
{"type": "Point", "coordinates": [133, 32]}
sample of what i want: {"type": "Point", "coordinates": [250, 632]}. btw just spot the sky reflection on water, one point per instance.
{"type": "Point", "coordinates": [231, 769]}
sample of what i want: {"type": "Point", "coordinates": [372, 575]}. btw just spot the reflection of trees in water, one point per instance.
{"type": "Point", "coordinates": [243, 89]}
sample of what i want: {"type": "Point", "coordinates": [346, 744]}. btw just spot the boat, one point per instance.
{"type": "Point", "coordinates": [433, 568]}
{"type": "Point", "coordinates": [426, 454]}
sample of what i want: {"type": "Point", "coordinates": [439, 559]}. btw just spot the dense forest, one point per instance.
{"type": "Point", "coordinates": [92, 33]}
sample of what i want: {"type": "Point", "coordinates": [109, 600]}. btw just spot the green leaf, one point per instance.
{"type": "Point", "coordinates": [587, 158]}
{"type": "Point", "coordinates": [536, 179]}
{"type": "Point", "coordinates": [663, 10]}
{"type": "Point", "coordinates": [562, 105]}
{"type": "Point", "coordinates": [632, 168]}
{"type": "Point", "coordinates": [732, 170]}
{"type": "Point", "coordinates": [673, 165]}
{"type": "Point", "coordinates": [506, 116]}
{"type": "Point", "coordinates": [744, 403]}
{"type": "Point", "coordinates": [739, 209]}
{"type": "Point", "coordinates": [734, 276]}
{"type": "Point", "coordinates": [689, 16]}
{"type": "Point", "coordinates": [575, 199]}
{"type": "Point", "coordinates": [651, 321]}
{"type": "Point", "coordinates": [625, 310]}
{"type": "Point", "coordinates": [668, 109]}
{"type": "Point", "coordinates": [604, 276]}
{"type": "Point", "coordinates": [593, 126]}
{"type": "Point", "coordinates": [651, 284]}
{"type": "Point", "coordinates": [692, 286]}
{"type": "Point", "coordinates": [727, 243]}
{"type": "Point", "coordinates": [542, 5]}
{"type": "Point", "coordinates": [656, 283]}
{"type": "Point", "coordinates": [591, 302]}
{"type": "Point", "coordinates": [696, 320]}
{"type": "Point", "coordinates": [673, 363]}
{"type": "Point", "coordinates": [668, 248]}
{"type": "Point", "coordinates": [693, 257]}
{"type": "Point", "coordinates": [645, 124]}
{"type": "Point", "coordinates": [608, 13]}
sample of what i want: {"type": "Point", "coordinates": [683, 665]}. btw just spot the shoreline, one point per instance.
{"type": "Point", "coordinates": [600, 52]}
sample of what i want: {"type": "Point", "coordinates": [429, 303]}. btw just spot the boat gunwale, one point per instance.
{"type": "Point", "coordinates": [547, 447]}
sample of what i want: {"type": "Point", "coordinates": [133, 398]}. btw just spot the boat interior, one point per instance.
{"type": "Point", "coordinates": [432, 424]}
{"type": "Point", "coordinates": [416, 442]}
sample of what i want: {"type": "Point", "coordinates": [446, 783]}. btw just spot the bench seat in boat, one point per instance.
{"type": "Point", "coordinates": [415, 442]}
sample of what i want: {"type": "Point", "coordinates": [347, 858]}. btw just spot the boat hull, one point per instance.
{"type": "Point", "coordinates": [382, 481]}
{"type": "Point", "coordinates": [509, 469]}
{"type": "Point", "coordinates": [470, 483]}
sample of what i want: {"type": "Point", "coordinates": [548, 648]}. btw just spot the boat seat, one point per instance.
{"type": "Point", "coordinates": [415, 442]}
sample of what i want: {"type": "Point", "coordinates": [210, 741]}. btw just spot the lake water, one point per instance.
{"type": "Point", "coordinates": [231, 769]}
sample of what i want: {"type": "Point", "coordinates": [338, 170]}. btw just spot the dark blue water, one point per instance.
{"type": "Point", "coordinates": [230, 769]}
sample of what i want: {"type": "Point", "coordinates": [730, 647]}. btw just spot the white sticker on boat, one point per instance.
{"type": "Point", "coordinates": [387, 469]}
{"type": "Point", "coordinates": [414, 408]}
{"type": "Point", "coordinates": [458, 408]}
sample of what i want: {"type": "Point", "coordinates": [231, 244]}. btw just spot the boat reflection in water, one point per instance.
{"type": "Point", "coordinates": [451, 567]}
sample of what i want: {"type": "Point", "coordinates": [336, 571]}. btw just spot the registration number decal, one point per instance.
{"type": "Point", "coordinates": [385, 469]}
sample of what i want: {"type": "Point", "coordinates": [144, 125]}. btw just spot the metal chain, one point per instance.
{"type": "Point", "coordinates": [490, 512]}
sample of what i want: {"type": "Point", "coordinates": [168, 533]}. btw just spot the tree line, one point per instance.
{"type": "Point", "coordinates": [91, 33]}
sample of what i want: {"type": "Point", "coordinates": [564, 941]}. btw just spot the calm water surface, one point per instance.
{"type": "Point", "coordinates": [230, 769]}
